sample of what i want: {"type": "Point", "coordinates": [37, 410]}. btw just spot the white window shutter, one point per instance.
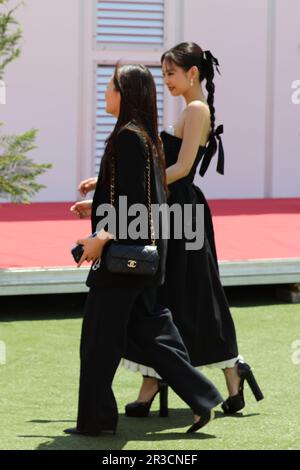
{"type": "Point", "coordinates": [105, 122]}
{"type": "Point", "coordinates": [130, 22]}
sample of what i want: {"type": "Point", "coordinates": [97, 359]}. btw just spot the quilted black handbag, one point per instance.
{"type": "Point", "coordinates": [133, 259]}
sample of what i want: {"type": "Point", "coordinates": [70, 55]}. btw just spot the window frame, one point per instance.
{"type": "Point", "coordinates": [91, 56]}
{"type": "Point", "coordinates": [97, 66]}
{"type": "Point", "coordinates": [128, 46]}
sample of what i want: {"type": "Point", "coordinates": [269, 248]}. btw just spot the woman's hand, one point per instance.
{"type": "Point", "coordinates": [82, 209]}
{"type": "Point", "coordinates": [93, 247]}
{"type": "Point", "coordinates": [87, 185]}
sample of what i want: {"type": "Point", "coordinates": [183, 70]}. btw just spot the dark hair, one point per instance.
{"type": "Point", "coordinates": [187, 55]}
{"type": "Point", "coordinates": [138, 111]}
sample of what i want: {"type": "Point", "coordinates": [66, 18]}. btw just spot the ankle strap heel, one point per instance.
{"type": "Point", "coordinates": [237, 402]}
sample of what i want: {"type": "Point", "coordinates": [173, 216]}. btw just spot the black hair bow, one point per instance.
{"type": "Point", "coordinates": [211, 150]}
{"type": "Point", "coordinates": [207, 55]}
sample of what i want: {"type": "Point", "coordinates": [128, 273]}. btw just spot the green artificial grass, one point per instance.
{"type": "Point", "coordinates": [39, 383]}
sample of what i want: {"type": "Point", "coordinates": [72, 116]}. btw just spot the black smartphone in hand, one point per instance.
{"type": "Point", "coordinates": [77, 251]}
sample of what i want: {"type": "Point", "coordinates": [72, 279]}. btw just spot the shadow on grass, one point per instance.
{"type": "Point", "coordinates": [64, 306]}
{"type": "Point", "coordinates": [42, 307]}
{"type": "Point", "coordinates": [153, 429]}
{"type": "Point", "coordinates": [252, 296]}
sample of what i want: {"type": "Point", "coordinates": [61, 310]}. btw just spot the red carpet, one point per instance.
{"type": "Point", "coordinates": [41, 234]}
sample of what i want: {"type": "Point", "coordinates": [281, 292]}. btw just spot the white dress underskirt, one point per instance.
{"type": "Point", "coordinates": [144, 370]}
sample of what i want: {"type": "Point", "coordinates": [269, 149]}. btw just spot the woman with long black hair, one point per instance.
{"type": "Point", "coordinates": [121, 314]}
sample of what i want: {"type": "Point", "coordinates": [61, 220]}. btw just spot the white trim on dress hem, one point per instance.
{"type": "Point", "coordinates": [145, 370]}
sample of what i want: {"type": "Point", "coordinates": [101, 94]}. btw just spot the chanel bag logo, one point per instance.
{"type": "Point", "coordinates": [131, 264]}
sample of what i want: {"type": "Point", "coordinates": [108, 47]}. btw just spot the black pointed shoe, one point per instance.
{"type": "Point", "coordinates": [237, 402]}
{"type": "Point", "coordinates": [139, 409]}
{"type": "Point", "coordinates": [205, 418]}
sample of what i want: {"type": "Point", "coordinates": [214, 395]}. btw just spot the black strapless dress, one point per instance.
{"type": "Point", "coordinates": [192, 289]}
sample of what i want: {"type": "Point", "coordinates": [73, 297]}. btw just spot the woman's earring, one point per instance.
{"type": "Point", "coordinates": [192, 82]}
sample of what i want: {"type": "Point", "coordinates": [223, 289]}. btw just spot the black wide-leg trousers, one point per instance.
{"type": "Point", "coordinates": [116, 318]}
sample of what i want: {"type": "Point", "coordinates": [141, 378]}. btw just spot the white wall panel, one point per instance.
{"type": "Point", "coordinates": [43, 91]}
{"type": "Point", "coordinates": [236, 33]}
{"type": "Point", "coordinates": [52, 88]}
{"type": "Point", "coordinates": [286, 135]}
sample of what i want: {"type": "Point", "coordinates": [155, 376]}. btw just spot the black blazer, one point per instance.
{"type": "Point", "coordinates": [130, 158]}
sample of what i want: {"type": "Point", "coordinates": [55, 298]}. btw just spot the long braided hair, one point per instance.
{"type": "Point", "coordinates": [187, 55]}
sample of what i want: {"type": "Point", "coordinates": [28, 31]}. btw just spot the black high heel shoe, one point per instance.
{"type": "Point", "coordinates": [139, 409]}
{"type": "Point", "coordinates": [237, 402]}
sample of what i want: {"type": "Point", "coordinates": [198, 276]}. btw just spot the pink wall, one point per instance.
{"type": "Point", "coordinates": [235, 32]}
{"type": "Point", "coordinates": [257, 43]}
{"type": "Point", "coordinates": [286, 137]}
{"type": "Point", "coordinates": [43, 91]}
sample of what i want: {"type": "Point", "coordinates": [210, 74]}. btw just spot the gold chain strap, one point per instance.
{"type": "Point", "coordinates": [148, 170]}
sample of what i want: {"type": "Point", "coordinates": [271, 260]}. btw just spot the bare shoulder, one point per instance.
{"type": "Point", "coordinates": [197, 122]}
{"type": "Point", "coordinates": [197, 109]}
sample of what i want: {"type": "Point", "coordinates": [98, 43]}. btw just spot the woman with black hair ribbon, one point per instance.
{"type": "Point", "coordinates": [192, 289]}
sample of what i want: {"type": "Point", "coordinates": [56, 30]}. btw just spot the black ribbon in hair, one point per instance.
{"type": "Point", "coordinates": [215, 140]}
{"type": "Point", "coordinates": [207, 55]}
{"type": "Point", "coordinates": [211, 150]}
